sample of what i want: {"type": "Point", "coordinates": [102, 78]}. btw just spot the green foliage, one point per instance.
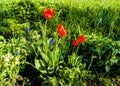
{"type": "Point", "coordinates": [92, 18]}
{"type": "Point", "coordinates": [27, 11]}
{"type": "Point", "coordinates": [10, 62]}
{"type": "Point", "coordinates": [59, 63]}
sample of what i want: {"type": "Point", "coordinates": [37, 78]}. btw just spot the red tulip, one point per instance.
{"type": "Point", "coordinates": [75, 42]}
{"type": "Point", "coordinates": [48, 13]}
{"type": "Point", "coordinates": [60, 28]}
{"type": "Point", "coordinates": [62, 33]}
{"type": "Point", "coordinates": [81, 39]}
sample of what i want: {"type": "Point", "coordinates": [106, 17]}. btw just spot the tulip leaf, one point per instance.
{"type": "Point", "coordinates": [40, 65]}
{"type": "Point", "coordinates": [78, 59]}
{"type": "Point", "coordinates": [37, 64]}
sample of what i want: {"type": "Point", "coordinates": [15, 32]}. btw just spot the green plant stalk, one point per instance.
{"type": "Point", "coordinates": [77, 49]}
{"type": "Point", "coordinates": [44, 37]}
{"type": "Point", "coordinates": [57, 44]}
{"type": "Point", "coordinates": [45, 28]}
{"type": "Point", "coordinates": [34, 49]}
{"type": "Point", "coordinates": [90, 64]}
{"type": "Point", "coordinates": [98, 50]}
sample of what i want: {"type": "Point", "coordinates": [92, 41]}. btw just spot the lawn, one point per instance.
{"type": "Point", "coordinates": [60, 43]}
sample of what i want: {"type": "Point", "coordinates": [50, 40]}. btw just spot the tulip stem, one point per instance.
{"type": "Point", "coordinates": [77, 49]}
{"type": "Point", "coordinates": [90, 63]}
{"type": "Point", "coordinates": [45, 27]}
{"type": "Point", "coordinates": [44, 34]}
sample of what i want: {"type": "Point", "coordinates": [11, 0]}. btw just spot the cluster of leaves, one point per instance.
{"type": "Point", "coordinates": [12, 59]}
{"type": "Point", "coordinates": [105, 53]}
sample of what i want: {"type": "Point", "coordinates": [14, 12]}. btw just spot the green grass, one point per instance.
{"type": "Point", "coordinates": [61, 62]}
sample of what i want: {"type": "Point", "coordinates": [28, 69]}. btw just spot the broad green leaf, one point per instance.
{"type": "Point", "coordinates": [107, 68]}
{"type": "Point", "coordinates": [44, 56]}
{"type": "Point", "coordinates": [37, 64]}
{"type": "Point", "coordinates": [40, 65]}
{"type": "Point", "coordinates": [78, 59]}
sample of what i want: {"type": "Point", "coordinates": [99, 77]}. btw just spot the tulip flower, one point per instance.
{"type": "Point", "coordinates": [81, 38]}
{"type": "Point", "coordinates": [60, 28]}
{"type": "Point", "coordinates": [75, 42]}
{"type": "Point", "coordinates": [62, 33]}
{"type": "Point", "coordinates": [48, 13]}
